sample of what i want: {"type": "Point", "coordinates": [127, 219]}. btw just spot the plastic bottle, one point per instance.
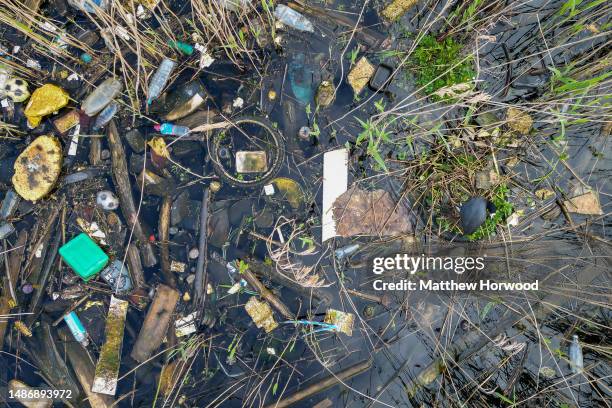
{"type": "Point", "coordinates": [346, 251]}
{"type": "Point", "coordinates": [101, 96]}
{"type": "Point", "coordinates": [76, 328]}
{"type": "Point", "coordinates": [170, 129]}
{"type": "Point", "coordinates": [160, 78]}
{"type": "Point", "coordinates": [185, 48]}
{"type": "Point", "coordinates": [575, 355]}
{"type": "Point", "coordinates": [9, 204]}
{"type": "Point", "coordinates": [292, 18]}
{"type": "Point", "coordinates": [106, 115]}
{"type": "Point", "coordinates": [88, 5]}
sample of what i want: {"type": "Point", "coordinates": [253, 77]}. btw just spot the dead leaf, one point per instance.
{"type": "Point", "coordinates": [360, 212]}
{"type": "Point", "coordinates": [587, 204]}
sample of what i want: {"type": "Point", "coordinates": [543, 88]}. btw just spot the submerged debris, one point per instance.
{"type": "Point", "coordinates": [44, 101]}
{"type": "Point", "coordinates": [261, 313]}
{"type": "Point", "coordinates": [587, 203]}
{"type": "Point", "coordinates": [360, 75]}
{"type": "Point", "coordinates": [360, 212]}
{"type": "Point", "coordinates": [37, 168]}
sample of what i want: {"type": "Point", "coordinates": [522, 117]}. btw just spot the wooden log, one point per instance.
{"type": "Point", "coordinates": [135, 266]}
{"type": "Point", "coordinates": [200, 275]}
{"type": "Point", "coordinates": [323, 385]}
{"type": "Point", "coordinates": [156, 323]}
{"type": "Point", "coordinates": [267, 294]}
{"type": "Point", "coordinates": [164, 237]}
{"type": "Point", "coordinates": [107, 368]}
{"type": "Point", "coordinates": [83, 367]}
{"type": "Point", "coordinates": [124, 190]}
{"type": "Point", "coordinates": [95, 151]}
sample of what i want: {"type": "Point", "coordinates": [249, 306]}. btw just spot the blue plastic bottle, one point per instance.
{"type": "Point", "coordinates": [170, 129]}
{"type": "Point", "coordinates": [76, 328]}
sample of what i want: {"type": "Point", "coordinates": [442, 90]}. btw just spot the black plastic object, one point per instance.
{"type": "Point", "coordinates": [381, 78]}
{"type": "Point", "coordinates": [277, 155]}
{"type": "Point", "coordinates": [473, 214]}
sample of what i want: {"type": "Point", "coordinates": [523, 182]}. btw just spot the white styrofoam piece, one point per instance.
{"type": "Point", "coordinates": [335, 182]}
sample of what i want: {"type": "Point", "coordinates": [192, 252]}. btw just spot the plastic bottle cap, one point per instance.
{"type": "Point", "coordinates": [157, 127]}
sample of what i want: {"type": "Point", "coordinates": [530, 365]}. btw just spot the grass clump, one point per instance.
{"type": "Point", "coordinates": [432, 60]}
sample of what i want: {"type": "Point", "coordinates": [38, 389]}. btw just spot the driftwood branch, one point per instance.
{"type": "Point", "coordinates": [164, 237]}
{"type": "Point", "coordinates": [124, 190]}
{"type": "Point", "coordinates": [267, 294]}
{"type": "Point", "coordinates": [322, 385]}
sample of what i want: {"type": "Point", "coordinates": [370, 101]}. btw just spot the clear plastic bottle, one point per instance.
{"type": "Point", "coordinates": [575, 355]}
{"type": "Point", "coordinates": [160, 78]}
{"type": "Point", "coordinates": [101, 96]}
{"type": "Point", "coordinates": [106, 115]}
{"type": "Point", "coordinates": [88, 5]}
{"type": "Point", "coordinates": [346, 251]}
{"type": "Point", "coordinates": [76, 328]}
{"type": "Point", "coordinates": [292, 18]}
{"type": "Point", "coordinates": [170, 129]}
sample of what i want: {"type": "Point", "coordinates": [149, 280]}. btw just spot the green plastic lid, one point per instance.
{"type": "Point", "coordinates": [83, 255]}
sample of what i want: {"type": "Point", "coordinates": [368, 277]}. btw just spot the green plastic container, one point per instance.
{"type": "Point", "coordinates": [83, 255]}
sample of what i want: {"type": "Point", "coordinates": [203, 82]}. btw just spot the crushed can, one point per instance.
{"type": "Point", "coordinates": [117, 276]}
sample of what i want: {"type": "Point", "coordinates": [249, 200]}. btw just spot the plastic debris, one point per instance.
{"type": "Point", "coordinates": [117, 276]}
{"type": "Point", "coordinates": [6, 229]}
{"type": "Point", "coordinates": [9, 204]}
{"type": "Point", "coordinates": [304, 133]}
{"type": "Point", "coordinates": [107, 200]}
{"type": "Point", "coordinates": [381, 78]}
{"type": "Point", "coordinates": [84, 256]}
{"type": "Point", "coordinates": [101, 96]}
{"type": "Point", "coordinates": [160, 79]}
{"type": "Point", "coordinates": [107, 368]}
{"type": "Point", "coordinates": [16, 89]}
{"type": "Point", "coordinates": [261, 313]}
{"type": "Point", "coordinates": [185, 100]}
{"type": "Point", "coordinates": [360, 75]}
{"type": "Point", "coordinates": [473, 214]}
{"type": "Point", "coordinates": [238, 103]}
{"type": "Point", "coordinates": [89, 6]}
{"type": "Point", "coordinates": [292, 18]}
{"type": "Point", "coordinates": [170, 129]}
{"type": "Point", "coordinates": [341, 320]}
{"type": "Point", "coordinates": [44, 101]}
{"type": "Point", "coordinates": [186, 325]}
{"type": "Point", "coordinates": [335, 183]}
{"type": "Point", "coordinates": [76, 328]}
{"type": "Point", "coordinates": [343, 252]}
{"type": "Point", "coordinates": [106, 115]}
{"type": "Point", "coordinates": [37, 168]}
{"type": "Point", "coordinates": [575, 355]}
{"type": "Point", "coordinates": [184, 48]}
{"type": "Point", "coordinates": [251, 162]}
{"type": "Point", "coordinates": [93, 230]}
{"type": "Point", "coordinates": [300, 78]}
{"type": "Point", "coordinates": [289, 190]}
